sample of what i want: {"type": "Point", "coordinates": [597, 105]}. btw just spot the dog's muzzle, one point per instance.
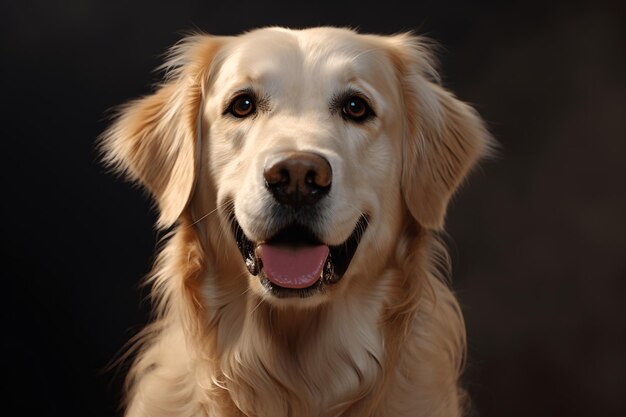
{"type": "Point", "coordinates": [293, 261]}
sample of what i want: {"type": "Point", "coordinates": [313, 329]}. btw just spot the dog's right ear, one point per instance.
{"type": "Point", "coordinates": [152, 139]}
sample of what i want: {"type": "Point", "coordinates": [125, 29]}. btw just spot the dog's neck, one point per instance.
{"type": "Point", "coordinates": [326, 359]}
{"type": "Point", "coordinates": [310, 356]}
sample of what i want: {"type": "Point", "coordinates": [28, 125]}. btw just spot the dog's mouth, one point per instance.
{"type": "Point", "coordinates": [294, 262]}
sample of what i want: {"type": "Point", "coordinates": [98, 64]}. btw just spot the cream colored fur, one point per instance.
{"type": "Point", "coordinates": [389, 338]}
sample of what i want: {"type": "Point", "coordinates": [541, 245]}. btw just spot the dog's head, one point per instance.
{"type": "Point", "coordinates": [308, 151]}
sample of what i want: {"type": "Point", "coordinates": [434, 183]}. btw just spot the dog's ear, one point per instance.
{"type": "Point", "coordinates": [443, 137]}
{"type": "Point", "coordinates": [152, 139]}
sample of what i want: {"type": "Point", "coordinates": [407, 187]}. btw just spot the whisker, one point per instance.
{"type": "Point", "coordinates": [225, 205]}
{"type": "Point", "coordinates": [230, 223]}
{"type": "Point", "coordinates": [204, 217]}
{"type": "Point", "coordinates": [257, 306]}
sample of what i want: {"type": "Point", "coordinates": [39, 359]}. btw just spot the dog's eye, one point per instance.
{"type": "Point", "coordinates": [242, 106]}
{"type": "Point", "coordinates": [355, 108]}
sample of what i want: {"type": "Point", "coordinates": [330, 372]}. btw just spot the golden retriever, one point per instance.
{"type": "Point", "coordinates": [307, 173]}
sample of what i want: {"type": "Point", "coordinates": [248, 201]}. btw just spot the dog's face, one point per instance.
{"type": "Point", "coordinates": [305, 137]}
{"type": "Point", "coordinates": [316, 148]}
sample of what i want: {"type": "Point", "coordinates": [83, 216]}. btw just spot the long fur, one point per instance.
{"type": "Point", "coordinates": [391, 343]}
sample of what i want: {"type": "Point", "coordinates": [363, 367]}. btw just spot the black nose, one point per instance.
{"type": "Point", "coordinates": [299, 178]}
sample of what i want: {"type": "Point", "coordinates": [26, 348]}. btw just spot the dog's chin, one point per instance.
{"type": "Point", "coordinates": [294, 264]}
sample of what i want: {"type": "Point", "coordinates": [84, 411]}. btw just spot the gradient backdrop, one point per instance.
{"type": "Point", "coordinates": [537, 236]}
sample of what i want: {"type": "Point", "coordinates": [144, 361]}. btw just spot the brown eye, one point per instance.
{"type": "Point", "coordinates": [357, 109]}
{"type": "Point", "coordinates": [242, 106]}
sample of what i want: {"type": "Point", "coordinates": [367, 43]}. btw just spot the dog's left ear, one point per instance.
{"type": "Point", "coordinates": [153, 139]}
{"type": "Point", "coordinates": [443, 137]}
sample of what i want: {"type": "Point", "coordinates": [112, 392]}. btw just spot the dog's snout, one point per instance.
{"type": "Point", "coordinates": [299, 178]}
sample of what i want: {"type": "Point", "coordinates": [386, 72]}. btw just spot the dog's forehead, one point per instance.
{"type": "Point", "coordinates": [324, 56]}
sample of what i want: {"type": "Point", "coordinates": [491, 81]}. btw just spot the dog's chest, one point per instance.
{"type": "Point", "coordinates": [322, 374]}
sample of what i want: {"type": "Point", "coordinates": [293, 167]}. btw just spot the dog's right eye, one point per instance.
{"type": "Point", "coordinates": [242, 106]}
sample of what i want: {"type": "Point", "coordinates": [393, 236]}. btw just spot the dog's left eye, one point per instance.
{"type": "Point", "coordinates": [242, 106]}
{"type": "Point", "coordinates": [356, 108]}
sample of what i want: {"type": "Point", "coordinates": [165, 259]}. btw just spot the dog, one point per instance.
{"type": "Point", "coordinates": [303, 176]}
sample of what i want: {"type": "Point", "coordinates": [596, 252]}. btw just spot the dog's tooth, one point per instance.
{"type": "Point", "coordinates": [328, 273]}
{"type": "Point", "coordinates": [252, 261]}
{"type": "Point", "coordinates": [252, 265]}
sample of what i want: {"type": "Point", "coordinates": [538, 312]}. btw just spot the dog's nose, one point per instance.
{"type": "Point", "coordinates": [299, 178]}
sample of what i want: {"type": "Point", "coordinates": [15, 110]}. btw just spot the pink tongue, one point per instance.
{"type": "Point", "coordinates": [293, 267]}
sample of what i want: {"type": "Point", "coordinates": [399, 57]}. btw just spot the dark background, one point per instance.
{"type": "Point", "coordinates": [537, 236]}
